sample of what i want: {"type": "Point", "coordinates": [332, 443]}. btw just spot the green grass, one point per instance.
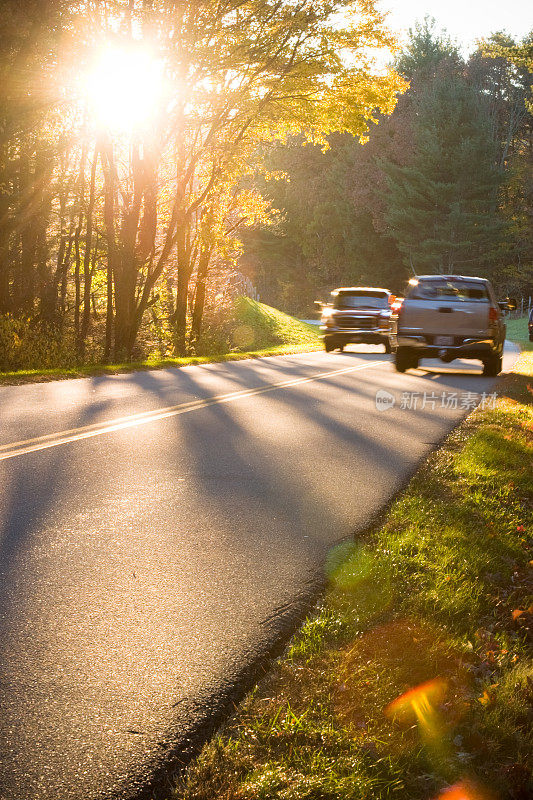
{"type": "Point", "coordinates": [429, 593]}
{"type": "Point", "coordinates": [267, 326]}
{"type": "Point", "coordinates": [517, 331]}
{"type": "Point", "coordinates": [257, 330]}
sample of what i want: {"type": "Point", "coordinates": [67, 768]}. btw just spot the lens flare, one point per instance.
{"type": "Point", "coordinates": [243, 336]}
{"type": "Point", "coordinates": [421, 704]}
{"type": "Point", "coordinates": [464, 790]}
{"type": "Point", "coordinates": [124, 88]}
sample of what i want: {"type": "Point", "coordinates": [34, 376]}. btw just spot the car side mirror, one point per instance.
{"type": "Point", "coordinates": [508, 305]}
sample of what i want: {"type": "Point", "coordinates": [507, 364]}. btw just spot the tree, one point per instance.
{"type": "Point", "coordinates": [328, 227]}
{"type": "Point", "coordinates": [425, 52]}
{"type": "Point", "coordinates": [512, 64]}
{"type": "Point", "coordinates": [443, 207]}
{"type": "Point", "coordinates": [245, 74]}
{"type": "Point", "coordinates": [31, 36]}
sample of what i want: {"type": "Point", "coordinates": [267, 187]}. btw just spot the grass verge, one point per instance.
{"type": "Point", "coordinates": [257, 330]}
{"type": "Point", "coordinates": [433, 609]}
{"type": "Point", "coordinates": [517, 331]}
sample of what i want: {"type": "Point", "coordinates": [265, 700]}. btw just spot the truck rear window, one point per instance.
{"type": "Point", "coordinates": [448, 290]}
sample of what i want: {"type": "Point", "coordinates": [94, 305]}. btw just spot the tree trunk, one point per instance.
{"type": "Point", "coordinates": [199, 297]}
{"type": "Point", "coordinates": [126, 265]}
{"type": "Point", "coordinates": [88, 268]}
{"type": "Point", "coordinates": [109, 315]}
{"type": "Point", "coordinates": [77, 288]}
{"type": "Point", "coordinates": [184, 271]}
{"type": "Point", "coordinates": [24, 279]}
{"type": "Point", "coordinates": [108, 167]}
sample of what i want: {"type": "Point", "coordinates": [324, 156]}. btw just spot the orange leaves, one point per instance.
{"type": "Point", "coordinates": [488, 695]}
{"type": "Point", "coordinates": [520, 612]}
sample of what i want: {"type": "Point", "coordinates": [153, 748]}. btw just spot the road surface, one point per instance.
{"type": "Point", "coordinates": [161, 531]}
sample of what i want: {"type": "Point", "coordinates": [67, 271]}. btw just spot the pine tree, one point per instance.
{"type": "Point", "coordinates": [443, 207]}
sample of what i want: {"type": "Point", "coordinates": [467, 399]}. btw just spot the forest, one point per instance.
{"type": "Point", "coordinates": [443, 184]}
{"type": "Point", "coordinates": [155, 155]}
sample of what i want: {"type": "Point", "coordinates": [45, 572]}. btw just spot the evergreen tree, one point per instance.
{"type": "Point", "coordinates": [422, 57]}
{"type": "Point", "coordinates": [443, 207]}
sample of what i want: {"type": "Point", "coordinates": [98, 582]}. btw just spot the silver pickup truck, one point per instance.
{"type": "Point", "coordinates": [448, 317]}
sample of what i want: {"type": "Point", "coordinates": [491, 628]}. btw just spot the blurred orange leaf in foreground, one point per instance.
{"type": "Point", "coordinates": [463, 791]}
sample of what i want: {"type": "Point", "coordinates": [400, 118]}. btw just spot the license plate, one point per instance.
{"type": "Point", "coordinates": [443, 341]}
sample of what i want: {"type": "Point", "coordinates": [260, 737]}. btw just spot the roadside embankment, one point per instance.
{"type": "Point", "coordinates": [414, 676]}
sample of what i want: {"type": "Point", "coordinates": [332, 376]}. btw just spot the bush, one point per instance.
{"type": "Point", "coordinates": [29, 344]}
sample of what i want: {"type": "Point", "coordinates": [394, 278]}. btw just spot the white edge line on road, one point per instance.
{"type": "Point", "coordinates": [98, 429]}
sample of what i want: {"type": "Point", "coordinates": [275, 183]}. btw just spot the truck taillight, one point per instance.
{"type": "Point", "coordinates": [494, 314]}
{"type": "Point", "coordinates": [397, 305]}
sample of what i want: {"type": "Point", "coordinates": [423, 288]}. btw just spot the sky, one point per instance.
{"type": "Point", "coordinates": [465, 20]}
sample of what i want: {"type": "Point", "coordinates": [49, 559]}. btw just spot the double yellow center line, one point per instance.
{"type": "Point", "coordinates": [14, 449]}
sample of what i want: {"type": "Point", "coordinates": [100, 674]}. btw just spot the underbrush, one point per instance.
{"type": "Point", "coordinates": [31, 351]}
{"type": "Point", "coordinates": [27, 344]}
{"type": "Point", "coordinates": [413, 678]}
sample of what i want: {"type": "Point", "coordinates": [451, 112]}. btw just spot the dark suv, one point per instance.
{"type": "Point", "coordinates": [356, 314]}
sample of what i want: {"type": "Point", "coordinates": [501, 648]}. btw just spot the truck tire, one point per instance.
{"type": "Point", "coordinates": [329, 345]}
{"type": "Point", "coordinates": [405, 359]}
{"type": "Point", "coordinates": [492, 366]}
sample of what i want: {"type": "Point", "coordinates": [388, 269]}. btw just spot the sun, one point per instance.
{"type": "Point", "coordinates": [124, 89]}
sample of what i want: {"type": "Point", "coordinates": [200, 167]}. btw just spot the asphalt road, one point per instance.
{"type": "Point", "coordinates": [148, 565]}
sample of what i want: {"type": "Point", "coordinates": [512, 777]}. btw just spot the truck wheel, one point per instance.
{"type": "Point", "coordinates": [341, 348]}
{"type": "Point", "coordinates": [329, 345]}
{"type": "Point", "coordinates": [492, 366]}
{"type": "Point", "coordinates": [403, 359]}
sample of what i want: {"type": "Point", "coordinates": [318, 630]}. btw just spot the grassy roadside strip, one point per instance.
{"type": "Point", "coordinates": [432, 606]}
{"type": "Point", "coordinates": [517, 331]}
{"type": "Point", "coordinates": [40, 376]}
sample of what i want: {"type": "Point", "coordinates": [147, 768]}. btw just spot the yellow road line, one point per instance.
{"type": "Point", "coordinates": [98, 429]}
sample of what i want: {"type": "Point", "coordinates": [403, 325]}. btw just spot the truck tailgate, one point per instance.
{"type": "Point", "coordinates": [466, 319]}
